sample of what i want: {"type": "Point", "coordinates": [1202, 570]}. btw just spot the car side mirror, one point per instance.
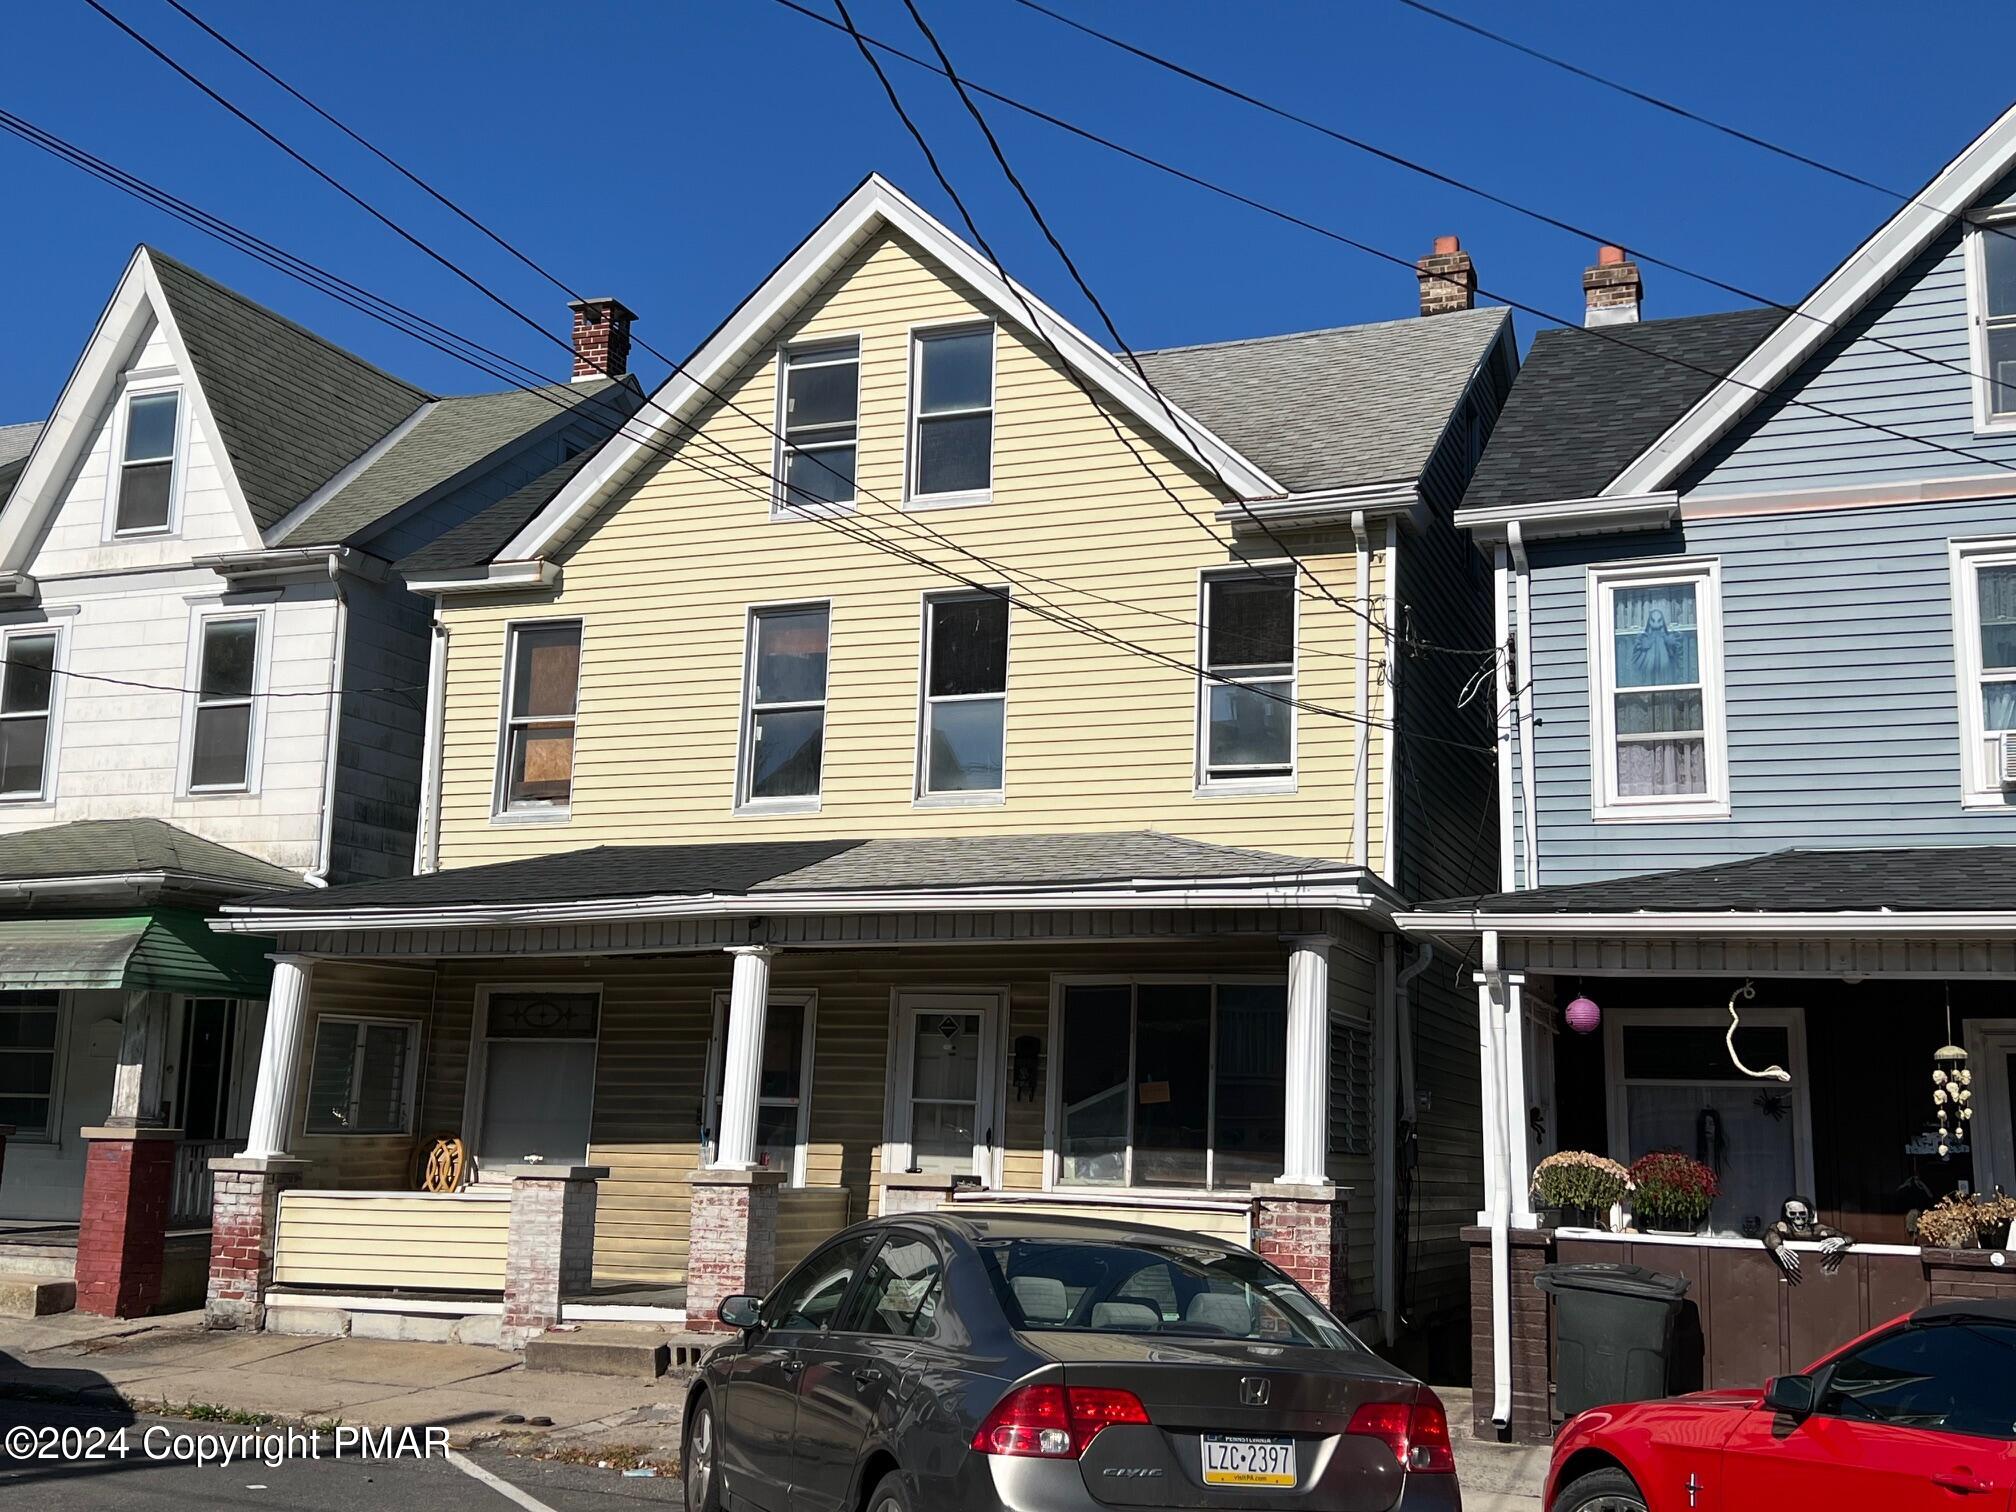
{"type": "Point", "coordinates": [740, 1311]}
{"type": "Point", "coordinates": [1792, 1395]}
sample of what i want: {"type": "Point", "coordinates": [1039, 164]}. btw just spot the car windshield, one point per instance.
{"type": "Point", "coordinates": [1151, 1287]}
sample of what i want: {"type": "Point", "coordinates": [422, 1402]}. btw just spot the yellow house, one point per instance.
{"type": "Point", "coordinates": [921, 758]}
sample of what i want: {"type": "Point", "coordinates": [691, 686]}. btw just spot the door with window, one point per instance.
{"type": "Point", "coordinates": [533, 1088]}
{"type": "Point", "coordinates": [783, 1084]}
{"type": "Point", "coordinates": [1991, 1056]}
{"type": "Point", "coordinates": [947, 1107]}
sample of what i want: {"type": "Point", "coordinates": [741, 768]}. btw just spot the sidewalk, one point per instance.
{"type": "Point", "coordinates": [169, 1365]}
{"type": "Point", "coordinates": [1494, 1477]}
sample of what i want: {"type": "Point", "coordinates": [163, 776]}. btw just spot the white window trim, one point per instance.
{"type": "Point", "coordinates": [53, 738]}
{"type": "Point", "coordinates": [809, 346]}
{"type": "Point", "coordinates": [255, 739]}
{"type": "Point", "coordinates": [717, 1056]}
{"type": "Point", "coordinates": [745, 746]}
{"type": "Point", "coordinates": [408, 1094]}
{"type": "Point", "coordinates": [139, 385]}
{"type": "Point", "coordinates": [921, 792]}
{"type": "Point", "coordinates": [501, 811]}
{"type": "Point", "coordinates": [1203, 784]}
{"type": "Point", "coordinates": [905, 1007]}
{"type": "Point", "coordinates": [1975, 264]}
{"type": "Point", "coordinates": [913, 399]}
{"type": "Point", "coordinates": [1605, 803]}
{"type": "Point", "coordinates": [51, 1137]}
{"type": "Point", "coordinates": [1980, 779]}
{"type": "Point", "coordinates": [1053, 1112]}
{"type": "Point", "coordinates": [1989, 1043]}
{"type": "Point", "coordinates": [479, 1044]}
{"type": "Point", "coordinates": [1615, 1020]}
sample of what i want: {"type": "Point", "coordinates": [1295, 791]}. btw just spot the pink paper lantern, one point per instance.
{"type": "Point", "coordinates": [1583, 1015]}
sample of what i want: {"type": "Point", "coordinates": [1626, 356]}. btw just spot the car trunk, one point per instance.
{"type": "Point", "coordinates": [1195, 1390]}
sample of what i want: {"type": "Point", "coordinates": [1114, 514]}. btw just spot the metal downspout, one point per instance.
{"type": "Point", "coordinates": [1501, 631]}
{"type": "Point", "coordinates": [427, 847]}
{"type": "Point", "coordinates": [1361, 818]}
{"type": "Point", "coordinates": [1501, 1187]}
{"type": "Point", "coordinates": [1522, 693]}
{"type": "Point", "coordinates": [326, 845]}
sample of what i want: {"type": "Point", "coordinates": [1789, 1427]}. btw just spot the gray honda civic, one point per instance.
{"type": "Point", "coordinates": [945, 1363]}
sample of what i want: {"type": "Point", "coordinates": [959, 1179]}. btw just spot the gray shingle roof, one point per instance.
{"type": "Point", "coordinates": [1585, 406]}
{"type": "Point", "coordinates": [1924, 878]}
{"type": "Point", "coordinates": [16, 441]}
{"type": "Point", "coordinates": [1331, 409]}
{"type": "Point", "coordinates": [293, 409]}
{"type": "Point", "coordinates": [450, 437]}
{"type": "Point", "coordinates": [98, 847]}
{"type": "Point", "coordinates": [783, 867]}
{"type": "Point", "coordinates": [477, 539]}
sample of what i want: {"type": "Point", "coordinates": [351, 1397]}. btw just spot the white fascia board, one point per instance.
{"type": "Point", "coordinates": [875, 204]}
{"type": "Point", "coordinates": [1976, 925]}
{"type": "Point", "coordinates": [1490, 524]}
{"type": "Point", "coordinates": [1822, 313]}
{"type": "Point", "coordinates": [538, 573]}
{"type": "Point", "coordinates": [1332, 506]}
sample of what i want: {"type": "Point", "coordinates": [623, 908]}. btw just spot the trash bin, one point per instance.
{"type": "Point", "coordinates": [1613, 1332]}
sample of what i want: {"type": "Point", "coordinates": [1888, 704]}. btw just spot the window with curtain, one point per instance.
{"type": "Point", "coordinates": [1659, 696]}
{"type": "Point", "coordinates": [1995, 591]}
{"type": "Point", "coordinates": [1995, 288]}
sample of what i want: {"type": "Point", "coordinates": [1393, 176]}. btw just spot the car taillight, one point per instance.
{"type": "Point", "coordinates": [1417, 1432]}
{"type": "Point", "coordinates": [1055, 1422]}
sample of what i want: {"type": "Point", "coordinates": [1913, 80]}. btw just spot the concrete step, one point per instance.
{"type": "Point", "coordinates": [24, 1296]}
{"type": "Point", "coordinates": [636, 1351]}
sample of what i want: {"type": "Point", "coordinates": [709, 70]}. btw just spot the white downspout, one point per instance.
{"type": "Point", "coordinates": [1498, 1176]}
{"type": "Point", "coordinates": [427, 840]}
{"type": "Point", "coordinates": [1501, 632]}
{"type": "Point", "coordinates": [1389, 850]}
{"type": "Point", "coordinates": [1522, 671]}
{"type": "Point", "coordinates": [1361, 818]}
{"type": "Point", "coordinates": [326, 846]}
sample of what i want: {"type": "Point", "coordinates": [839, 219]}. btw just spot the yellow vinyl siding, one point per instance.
{"type": "Point", "coordinates": [416, 1240]}
{"type": "Point", "coordinates": [376, 990]}
{"type": "Point", "coordinates": [1097, 737]}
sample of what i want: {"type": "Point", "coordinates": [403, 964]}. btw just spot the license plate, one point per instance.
{"type": "Point", "coordinates": [1248, 1461]}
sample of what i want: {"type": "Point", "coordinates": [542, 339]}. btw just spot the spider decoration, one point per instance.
{"type": "Point", "coordinates": [1773, 1106]}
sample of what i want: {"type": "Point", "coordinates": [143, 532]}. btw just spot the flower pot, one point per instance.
{"type": "Point", "coordinates": [1996, 1236]}
{"type": "Point", "coordinates": [1568, 1215]}
{"type": "Point", "coordinates": [1666, 1223]}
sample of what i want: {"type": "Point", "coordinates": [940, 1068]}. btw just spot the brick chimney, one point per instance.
{"type": "Point", "coordinates": [1612, 290]}
{"type": "Point", "coordinates": [601, 338]}
{"type": "Point", "coordinates": [1448, 278]}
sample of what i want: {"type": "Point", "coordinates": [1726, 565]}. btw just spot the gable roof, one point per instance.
{"type": "Point", "coordinates": [107, 847]}
{"type": "Point", "coordinates": [876, 206]}
{"type": "Point", "coordinates": [1860, 277]}
{"type": "Point", "coordinates": [1337, 408]}
{"type": "Point", "coordinates": [1584, 406]}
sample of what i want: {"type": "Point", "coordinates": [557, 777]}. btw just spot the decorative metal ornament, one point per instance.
{"type": "Point", "coordinates": [1952, 1088]}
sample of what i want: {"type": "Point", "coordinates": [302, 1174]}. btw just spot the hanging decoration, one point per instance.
{"type": "Point", "coordinates": [1583, 1015]}
{"type": "Point", "coordinates": [1952, 1088]}
{"type": "Point", "coordinates": [1769, 1073]}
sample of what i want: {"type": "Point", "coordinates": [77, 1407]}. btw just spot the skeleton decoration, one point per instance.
{"type": "Point", "coordinates": [1952, 1096]}
{"type": "Point", "coordinates": [1798, 1221]}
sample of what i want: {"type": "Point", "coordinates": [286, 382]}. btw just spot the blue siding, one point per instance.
{"type": "Point", "coordinates": [1843, 721]}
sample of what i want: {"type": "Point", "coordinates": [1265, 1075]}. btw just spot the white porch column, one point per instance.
{"type": "Point", "coordinates": [279, 1058]}
{"type": "Point", "coordinates": [136, 1079]}
{"type": "Point", "coordinates": [1490, 1015]}
{"type": "Point", "coordinates": [1518, 1103]}
{"type": "Point", "coordinates": [742, 1057]}
{"type": "Point", "coordinates": [1306, 1102]}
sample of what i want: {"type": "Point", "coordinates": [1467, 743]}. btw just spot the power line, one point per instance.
{"type": "Point", "coordinates": [1289, 217]}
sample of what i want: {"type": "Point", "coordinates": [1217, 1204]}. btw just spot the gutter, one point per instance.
{"type": "Point", "coordinates": [1469, 924]}
{"type": "Point", "coordinates": [535, 572]}
{"type": "Point", "coordinates": [283, 564]}
{"type": "Point", "coordinates": [142, 884]}
{"type": "Point", "coordinates": [318, 875]}
{"type": "Point", "coordinates": [1490, 523]}
{"type": "Point", "coordinates": [1397, 500]}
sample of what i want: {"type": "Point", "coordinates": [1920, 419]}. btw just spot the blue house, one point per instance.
{"type": "Point", "coordinates": [1755, 585]}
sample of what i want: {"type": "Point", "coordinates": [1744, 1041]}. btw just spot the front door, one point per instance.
{"type": "Point", "coordinates": [946, 1105]}
{"type": "Point", "coordinates": [1991, 1055]}
{"type": "Point", "coordinates": [203, 1095]}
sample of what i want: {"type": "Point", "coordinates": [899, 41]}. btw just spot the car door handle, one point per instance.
{"type": "Point", "coordinates": [791, 1365]}
{"type": "Point", "coordinates": [868, 1375]}
{"type": "Point", "coordinates": [1962, 1480]}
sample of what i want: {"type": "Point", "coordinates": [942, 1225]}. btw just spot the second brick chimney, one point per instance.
{"type": "Point", "coordinates": [601, 338]}
{"type": "Point", "coordinates": [1448, 278]}
{"type": "Point", "coordinates": [1612, 290]}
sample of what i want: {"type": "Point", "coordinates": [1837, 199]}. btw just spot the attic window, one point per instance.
{"type": "Point", "coordinates": [147, 464]}
{"type": "Point", "coordinates": [1993, 296]}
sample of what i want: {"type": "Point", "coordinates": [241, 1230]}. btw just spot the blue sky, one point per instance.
{"type": "Point", "coordinates": [671, 153]}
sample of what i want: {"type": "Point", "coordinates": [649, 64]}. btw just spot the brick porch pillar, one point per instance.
{"type": "Point", "coordinates": [732, 1245]}
{"type": "Point", "coordinates": [1532, 1373]}
{"type": "Point", "coordinates": [244, 1217]}
{"type": "Point", "coordinates": [129, 1176]}
{"type": "Point", "coordinates": [1301, 1229]}
{"type": "Point", "coordinates": [550, 1252]}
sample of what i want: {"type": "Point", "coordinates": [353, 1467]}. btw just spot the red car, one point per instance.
{"type": "Point", "coordinates": [1919, 1414]}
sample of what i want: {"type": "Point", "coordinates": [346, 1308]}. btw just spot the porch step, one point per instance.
{"type": "Point", "coordinates": [635, 1351]}
{"type": "Point", "coordinates": [35, 1296]}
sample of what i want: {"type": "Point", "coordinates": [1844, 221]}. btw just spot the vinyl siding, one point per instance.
{"type": "Point", "coordinates": [364, 989]}
{"type": "Point", "coordinates": [1097, 738]}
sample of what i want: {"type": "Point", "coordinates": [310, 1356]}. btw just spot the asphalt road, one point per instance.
{"type": "Point", "coordinates": [86, 1459]}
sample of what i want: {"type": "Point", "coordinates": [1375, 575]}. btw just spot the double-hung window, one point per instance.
{"type": "Point", "coordinates": [1247, 709]}
{"type": "Point", "coordinates": [820, 399]}
{"type": "Point", "coordinates": [784, 726]}
{"type": "Point", "coordinates": [220, 745]}
{"type": "Point", "coordinates": [28, 1025]}
{"type": "Point", "coordinates": [1656, 711]}
{"type": "Point", "coordinates": [362, 1076]}
{"type": "Point", "coordinates": [1984, 633]}
{"type": "Point", "coordinates": [145, 477]}
{"type": "Point", "coordinates": [543, 692]}
{"type": "Point", "coordinates": [1991, 264]}
{"type": "Point", "coordinates": [952, 424]}
{"type": "Point", "coordinates": [965, 693]}
{"type": "Point", "coordinates": [27, 699]}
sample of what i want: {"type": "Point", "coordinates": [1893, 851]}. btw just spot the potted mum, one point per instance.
{"type": "Point", "coordinates": [1954, 1222]}
{"type": "Point", "coordinates": [1672, 1192]}
{"type": "Point", "coordinates": [1995, 1214]}
{"type": "Point", "coordinates": [1584, 1187]}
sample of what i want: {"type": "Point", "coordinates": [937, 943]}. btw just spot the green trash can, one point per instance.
{"type": "Point", "coordinates": [1613, 1328]}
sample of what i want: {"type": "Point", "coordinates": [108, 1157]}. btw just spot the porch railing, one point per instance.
{"type": "Point", "coordinates": [189, 1204]}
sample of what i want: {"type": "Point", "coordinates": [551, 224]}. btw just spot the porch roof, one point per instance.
{"type": "Point", "coordinates": [1921, 889]}
{"type": "Point", "coordinates": [795, 875]}
{"type": "Point", "coordinates": [168, 950]}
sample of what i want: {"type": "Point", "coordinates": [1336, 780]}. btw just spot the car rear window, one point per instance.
{"type": "Point", "coordinates": [1135, 1287]}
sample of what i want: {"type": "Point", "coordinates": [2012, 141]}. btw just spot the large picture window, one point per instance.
{"type": "Point", "coordinates": [784, 727]}
{"type": "Point", "coordinates": [783, 1103]}
{"type": "Point", "coordinates": [361, 1078]}
{"type": "Point", "coordinates": [965, 693]}
{"type": "Point", "coordinates": [543, 691]}
{"type": "Point", "coordinates": [1248, 732]}
{"type": "Point", "coordinates": [820, 399]}
{"type": "Point", "coordinates": [28, 1025]}
{"type": "Point", "coordinates": [535, 1081]}
{"type": "Point", "coordinates": [1170, 1084]}
{"type": "Point", "coordinates": [224, 719]}
{"type": "Point", "coordinates": [27, 699]}
{"type": "Point", "coordinates": [1656, 714]}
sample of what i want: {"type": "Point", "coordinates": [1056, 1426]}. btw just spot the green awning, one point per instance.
{"type": "Point", "coordinates": [167, 950]}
